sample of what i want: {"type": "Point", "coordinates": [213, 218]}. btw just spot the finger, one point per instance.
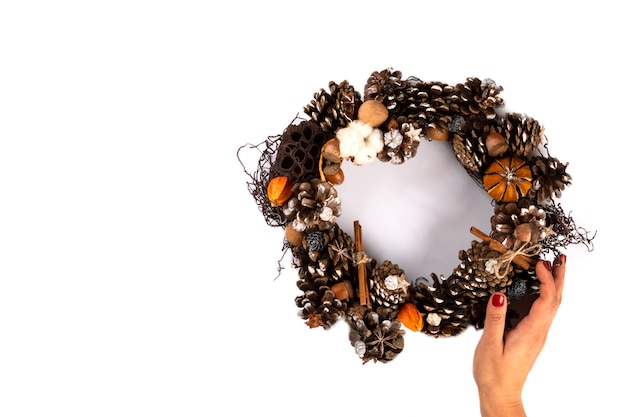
{"type": "Point", "coordinates": [495, 319]}
{"type": "Point", "coordinates": [547, 288]}
{"type": "Point", "coordinates": [558, 272]}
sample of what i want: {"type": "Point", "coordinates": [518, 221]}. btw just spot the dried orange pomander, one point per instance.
{"type": "Point", "coordinates": [279, 191]}
{"type": "Point", "coordinates": [410, 316]}
{"type": "Point", "coordinates": [507, 179]}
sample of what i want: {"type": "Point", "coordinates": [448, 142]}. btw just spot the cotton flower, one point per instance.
{"type": "Point", "coordinates": [359, 142]}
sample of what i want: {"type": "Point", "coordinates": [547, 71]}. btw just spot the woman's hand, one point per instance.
{"type": "Point", "coordinates": [502, 359]}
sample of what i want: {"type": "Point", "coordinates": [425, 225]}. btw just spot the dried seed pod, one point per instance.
{"type": "Point", "coordinates": [279, 190]}
{"type": "Point", "coordinates": [410, 316]}
{"type": "Point", "coordinates": [507, 179]}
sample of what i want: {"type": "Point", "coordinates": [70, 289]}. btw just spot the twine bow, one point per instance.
{"type": "Point", "coordinates": [503, 262]}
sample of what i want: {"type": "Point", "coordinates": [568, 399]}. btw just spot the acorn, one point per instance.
{"type": "Point", "coordinates": [437, 133]}
{"type": "Point", "coordinates": [343, 290]}
{"type": "Point", "coordinates": [330, 150]}
{"type": "Point", "coordinates": [373, 113]}
{"type": "Point", "coordinates": [292, 236]}
{"type": "Point", "coordinates": [337, 178]}
{"type": "Point", "coordinates": [330, 162]}
{"type": "Point", "coordinates": [279, 191]}
{"type": "Point", "coordinates": [496, 144]}
{"type": "Point", "coordinates": [526, 232]}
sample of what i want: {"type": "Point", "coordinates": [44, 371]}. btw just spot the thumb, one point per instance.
{"type": "Point", "coordinates": [495, 318]}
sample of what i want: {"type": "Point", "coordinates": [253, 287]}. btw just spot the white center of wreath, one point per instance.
{"type": "Point", "coordinates": [417, 214]}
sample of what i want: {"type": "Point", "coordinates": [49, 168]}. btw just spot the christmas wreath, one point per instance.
{"type": "Point", "coordinates": [295, 187]}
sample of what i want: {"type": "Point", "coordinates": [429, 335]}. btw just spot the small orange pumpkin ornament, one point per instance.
{"type": "Point", "coordinates": [410, 316]}
{"type": "Point", "coordinates": [507, 179]}
{"type": "Point", "coordinates": [279, 191]}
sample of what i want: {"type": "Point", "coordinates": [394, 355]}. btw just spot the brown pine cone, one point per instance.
{"type": "Point", "coordinates": [314, 206]}
{"type": "Point", "coordinates": [378, 336]}
{"type": "Point", "coordinates": [443, 306]}
{"type": "Point", "coordinates": [335, 108]}
{"type": "Point", "coordinates": [549, 178]}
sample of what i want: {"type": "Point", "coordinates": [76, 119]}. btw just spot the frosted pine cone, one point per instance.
{"type": "Point", "coordinates": [314, 206]}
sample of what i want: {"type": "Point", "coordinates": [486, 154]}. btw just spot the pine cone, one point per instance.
{"type": "Point", "coordinates": [430, 104]}
{"type": "Point", "coordinates": [314, 206]}
{"type": "Point", "coordinates": [470, 150]}
{"type": "Point", "coordinates": [387, 87]}
{"type": "Point", "coordinates": [550, 178]}
{"type": "Point", "coordinates": [476, 274]}
{"type": "Point", "coordinates": [514, 224]}
{"type": "Point", "coordinates": [400, 144]}
{"type": "Point", "coordinates": [479, 101]}
{"type": "Point", "coordinates": [388, 285]}
{"type": "Point", "coordinates": [378, 336]}
{"type": "Point", "coordinates": [318, 303]}
{"type": "Point", "coordinates": [341, 251]}
{"type": "Point", "coordinates": [299, 152]}
{"type": "Point", "coordinates": [444, 308]}
{"type": "Point", "coordinates": [522, 133]}
{"type": "Point", "coordinates": [334, 109]}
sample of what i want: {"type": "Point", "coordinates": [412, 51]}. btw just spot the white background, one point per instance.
{"type": "Point", "coordinates": [137, 276]}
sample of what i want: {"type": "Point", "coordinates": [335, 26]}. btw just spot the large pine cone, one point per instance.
{"type": "Point", "coordinates": [430, 104]}
{"type": "Point", "coordinates": [549, 178]}
{"type": "Point", "coordinates": [476, 274]}
{"type": "Point", "coordinates": [318, 304]}
{"type": "Point", "coordinates": [470, 150]}
{"type": "Point", "coordinates": [328, 252]}
{"type": "Point", "coordinates": [514, 224]}
{"type": "Point", "coordinates": [388, 285]}
{"type": "Point", "coordinates": [479, 101]}
{"type": "Point", "coordinates": [314, 206]}
{"type": "Point", "coordinates": [334, 109]}
{"type": "Point", "coordinates": [444, 308]}
{"type": "Point", "coordinates": [376, 335]}
{"type": "Point", "coordinates": [522, 133]}
{"type": "Point", "coordinates": [387, 87]}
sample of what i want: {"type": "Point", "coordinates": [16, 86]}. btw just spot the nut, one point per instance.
{"type": "Point", "coordinates": [496, 144]}
{"type": "Point", "coordinates": [437, 133]}
{"type": "Point", "coordinates": [373, 113]}
{"type": "Point", "coordinates": [343, 290]}
{"type": "Point", "coordinates": [294, 237]}
{"type": "Point", "coordinates": [337, 178]}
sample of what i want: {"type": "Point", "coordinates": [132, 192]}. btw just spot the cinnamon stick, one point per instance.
{"type": "Point", "coordinates": [364, 296]}
{"type": "Point", "coordinates": [521, 260]}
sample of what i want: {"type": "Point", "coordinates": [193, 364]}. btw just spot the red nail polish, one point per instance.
{"type": "Point", "coordinates": [547, 265]}
{"type": "Point", "coordinates": [498, 300]}
{"type": "Point", "coordinates": [564, 257]}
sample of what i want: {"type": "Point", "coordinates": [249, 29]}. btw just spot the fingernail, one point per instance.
{"type": "Point", "coordinates": [564, 258]}
{"type": "Point", "coordinates": [498, 300]}
{"type": "Point", "coordinates": [547, 265]}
